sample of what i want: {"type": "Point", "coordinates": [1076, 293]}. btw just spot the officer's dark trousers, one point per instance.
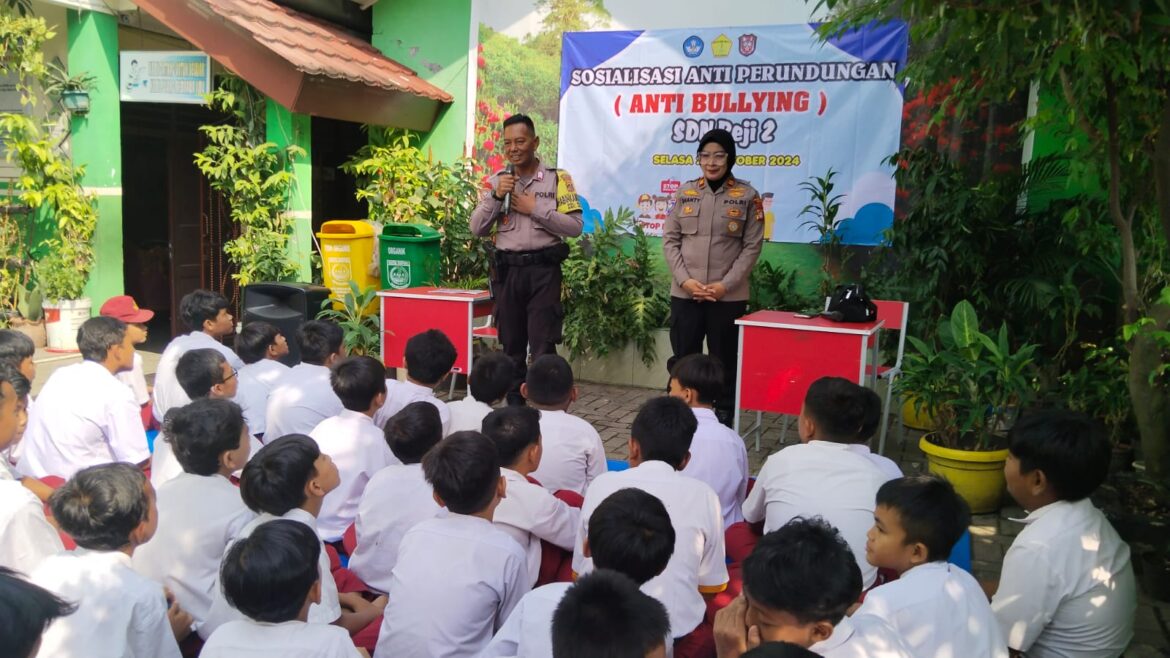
{"type": "Point", "coordinates": [528, 310]}
{"type": "Point", "coordinates": [692, 321]}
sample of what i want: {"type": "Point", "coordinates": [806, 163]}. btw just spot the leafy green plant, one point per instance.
{"type": "Point", "coordinates": [612, 297]}
{"type": "Point", "coordinates": [971, 383]}
{"type": "Point", "coordinates": [1099, 389]}
{"type": "Point", "coordinates": [822, 211]}
{"type": "Point", "coordinates": [256, 179]}
{"type": "Point", "coordinates": [59, 81]}
{"type": "Point", "coordinates": [774, 288]}
{"type": "Point", "coordinates": [362, 330]}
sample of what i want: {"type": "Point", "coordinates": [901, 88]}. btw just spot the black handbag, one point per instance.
{"type": "Point", "coordinates": [849, 303]}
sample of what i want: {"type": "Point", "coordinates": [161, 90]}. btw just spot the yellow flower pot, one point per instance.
{"type": "Point", "coordinates": [977, 476]}
{"type": "Point", "coordinates": [914, 419]}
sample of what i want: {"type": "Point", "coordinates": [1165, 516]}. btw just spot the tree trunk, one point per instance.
{"type": "Point", "coordinates": [1151, 403]}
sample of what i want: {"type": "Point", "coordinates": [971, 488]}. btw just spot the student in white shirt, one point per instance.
{"type": "Point", "coordinates": [573, 453]}
{"type": "Point", "coordinates": [85, 416]}
{"type": "Point", "coordinates": [200, 511]}
{"type": "Point", "coordinates": [379, 527]}
{"type": "Point", "coordinates": [660, 437]}
{"type": "Point", "coordinates": [428, 357]}
{"type": "Point", "coordinates": [303, 396]}
{"type": "Point", "coordinates": [288, 479]}
{"type": "Point", "coordinates": [797, 585]}
{"type": "Point", "coordinates": [458, 576]}
{"type": "Point", "coordinates": [1067, 585]}
{"type": "Point", "coordinates": [109, 510]}
{"type": "Point", "coordinates": [604, 614]}
{"type": "Point", "coordinates": [260, 346]}
{"type": "Point", "coordinates": [821, 476]}
{"type": "Point", "coordinates": [26, 537]}
{"type": "Point", "coordinates": [630, 533]}
{"type": "Point", "coordinates": [351, 439]}
{"type": "Point", "coordinates": [718, 454]}
{"type": "Point", "coordinates": [272, 577]}
{"type": "Point", "coordinates": [530, 513]}
{"type": "Point", "coordinates": [938, 609]}
{"type": "Point", "coordinates": [206, 314]}
{"type": "Point", "coordinates": [489, 381]}
{"type": "Point", "coordinates": [124, 308]}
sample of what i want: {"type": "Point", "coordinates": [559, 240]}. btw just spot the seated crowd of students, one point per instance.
{"type": "Point", "coordinates": [326, 510]}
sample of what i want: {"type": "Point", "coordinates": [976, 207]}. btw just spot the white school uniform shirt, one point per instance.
{"type": "Point", "coordinates": [887, 465]}
{"type": "Point", "coordinates": [819, 478]}
{"type": "Point", "coordinates": [359, 450]}
{"type": "Point", "coordinates": [245, 638]}
{"type": "Point", "coordinates": [26, 537]}
{"type": "Point", "coordinates": [120, 613]}
{"type": "Point", "coordinates": [256, 381]}
{"type": "Point", "coordinates": [301, 398]}
{"type": "Point", "coordinates": [457, 579]}
{"type": "Point", "coordinates": [1067, 587]}
{"type": "Point", "coordinates": [865, 636]}
{"type": "Point", "coordinates": [529, 513]}
{"type": "Point", "coordinates": [573, 454]}
{"type": "Point", "coordinates": [467, 414]}
{"type": "Point", "coordinates": [198, 516]}
{"type": "Point", "coordinates": [940, 611]}
{"type": "Point", "coordinates": [325, 612]}
{"type": "Point", "coordinates": [719, 458]}
{"type": "Point", "coordinates": [396, 499]}
{"type": "Point", "coordinates": [85, 417]}
{"type": "Point", "coordinates": [399, 394]}
{"type": "Point", "coordinates": [168, 394]}
{"type": "Point", "coordinates": [698, 564]}
{"type": "Point", "coordinates": [135, 379]}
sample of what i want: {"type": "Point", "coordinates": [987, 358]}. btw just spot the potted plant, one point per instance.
{"type": "Point", "coordinates": [973, 385]}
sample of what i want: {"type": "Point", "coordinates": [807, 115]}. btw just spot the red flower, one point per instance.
{"type": "Point", "coordinates": [489, 145]}
{"type": "Point", "coordinates": [483, 107]}
{"type": "Point", "coordinates": [495, 134]}
{"type": "Point", "coordinates": [481, 129]}
{"type": "Point", "coordinates": [495, 161]}
{"type": "Point", "coordinates": [507, 115]}
{"type": "Point", "coordinates": [479, 83]}
{"type": "Point", "coordinates": [481, 62]}
{"type": "Point", "coordinates": [493, 117]}
{"type": "Point", "coordinates": [480, 48]}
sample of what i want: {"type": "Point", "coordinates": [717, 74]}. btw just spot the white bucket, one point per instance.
{"type": "Point", "coordinates": [62, 319]}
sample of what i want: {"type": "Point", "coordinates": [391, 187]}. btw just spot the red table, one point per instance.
{"type": "Point", "coordinates": [412, 311]}
{"type": "Point", "coordinates": [781, 355]}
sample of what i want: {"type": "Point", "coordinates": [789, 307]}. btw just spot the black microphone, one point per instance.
{"type": "Point", "coordinates": [508, 196]}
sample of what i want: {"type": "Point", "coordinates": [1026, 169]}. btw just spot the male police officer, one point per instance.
{"type": "Point", "coordinates": [711, 241]}
{"type": "Point", "coordinates": [532, 209]}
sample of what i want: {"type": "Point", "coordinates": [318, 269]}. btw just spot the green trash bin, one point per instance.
{"type": "Point", "coordinates": [409, 256]}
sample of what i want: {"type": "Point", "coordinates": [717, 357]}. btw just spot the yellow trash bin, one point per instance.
{"type": "Point", "coordinates": [347, 251]}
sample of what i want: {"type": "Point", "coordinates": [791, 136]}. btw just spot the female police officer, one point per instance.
{"type": "Point", "coordinates": [711, 241]}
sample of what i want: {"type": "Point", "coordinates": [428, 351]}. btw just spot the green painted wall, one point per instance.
{"type": "Point", "coordinates": [432, 38]}
{"type": "Point", "coordinates": [96, 143]}
{"type": "Point", "coordinates": [1053, 136]}
{"type": "Point", "coordinates": [287, 129]}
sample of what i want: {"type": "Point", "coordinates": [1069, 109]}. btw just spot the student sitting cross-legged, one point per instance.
{"type": "Point", "coordinates": [199, 512]}
{"type": "Point", "coordinates": [573, 453]}
{"type": "Point", "coordinates": [797, 585]}
{"type": "Point", "coordinates": [939, 609]}
{"type": "Point", "coordinates": [429, 357]}
{"type": "Point", "coordinates": [458, 576]}
{"type": "Point", "coordinates": [109, 511]}
{"type": "Point", "coordinates": [629, 533]}
{"type": "Point", "coordinates": [1067, 586]}
{"type": "Point", "coordinates": [25, 612]}
{"type": "Point", "coordinates": [489, 381]}
{"type": "Point", "coordinates": [379, 527]}
{"type": "Point", "coordinates": [273, 577]}
{"type": "Point", "coordinates": [605, 614]}
{"type": "Point", "coordinates": [260, 346]}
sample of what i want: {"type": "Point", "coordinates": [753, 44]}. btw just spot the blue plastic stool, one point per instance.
{"type": "Point", "coordinates": [961, 553]}
{"type": "Point", "coordinates": [617, 464]}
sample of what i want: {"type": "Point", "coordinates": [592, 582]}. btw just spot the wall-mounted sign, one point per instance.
{"type": "Point", "coordinates": [161, 76]}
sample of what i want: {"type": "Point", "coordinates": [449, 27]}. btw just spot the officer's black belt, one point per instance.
{"type": "Point", "coordinates": [553, 255]}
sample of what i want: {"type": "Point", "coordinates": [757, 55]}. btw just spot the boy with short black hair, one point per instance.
{"type": "Point", "coordinates": [124, 308]}
{"type": "Point", "coordinates": [458, 576]}
{"type": "Point", "coordinates": [530, 513]}
{"type": "Point", "coordinates": [18, 350]}
{"type": "Point", "coordinates": [798, 584]}
{"type": "Point", "coordinates": [573, 452]}
{"type": "Point", "coordinates": [200, 511]}
{"type": "Point", "coordinates": [718, 454]}
{"type": "Point", "coordinates": [379, 527]}
{"type": "Point", "coordinates": [489, 382]}
{"type": "Point", "coordinates": [272, 576]}
{"type": "Point", "coordinates": [605, 614]}
{"type": "Point", "coordinates": [822, 476]}
{"type": "Point", "coordinates": [629, 532]}
{"type": "Point", "coordinates": [206, 315]}
{"type": "Point", "coordinates": [659, 444]}
{"type": "Point", "coordinates": [25, 612]}
{"type": "Point", "coordinates": [936, 607]}
{"type": "Point", "coordinates": [303, 397]}
{"type": "Point", "coordinates": [429, 357]}
{"type": "Point", "coordinates": [872, 421]}
{"type": "Point", "coordinates": [260, 346]}
{"type": "Point", "coordinates": [352, 440]}
{"type": "Point", "coordinates": [109, 511]}
{"type": "Point", "coordinates": [1067, 586]}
